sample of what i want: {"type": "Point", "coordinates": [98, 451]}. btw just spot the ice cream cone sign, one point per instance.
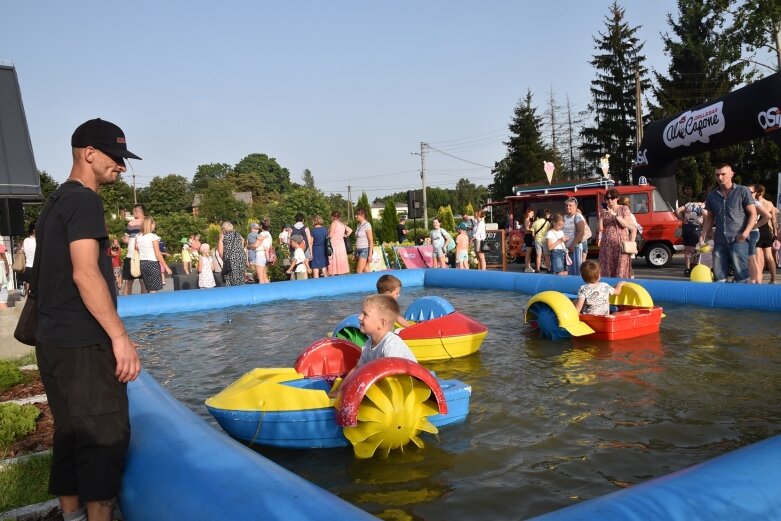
{"type": "Point", "coordinates": [604, 164]}
{"type": "Point", "coordinates": [549, 168]}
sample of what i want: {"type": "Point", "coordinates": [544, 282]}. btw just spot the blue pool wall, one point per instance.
{"type": "Point", "coordinates": [180, 467]}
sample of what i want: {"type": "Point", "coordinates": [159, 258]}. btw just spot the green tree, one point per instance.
{"type": "Point", "coordinates": [218, 204]}
{"type": "Point", "coordinates": [446, 220]}
{"type": "Point", "coordinates": [757, 26]}
{"type": "Point", "coordinates": [116, 198]}
{"type": "Point", "coordinates": [390, 222]}
{"type": "Point", "coordinates": [274, 177]}
{"type": "Point", "coordinates": [309, 179]}
{"type": "Point", "coordinates": [33, 210]}
{"type": "Point", "coordinates": [617, 62]}
{"type": "Point", "coordinates": [246, 182]}
{"type": "Point", "coordinates": [308, 201]}
{"type": "Point", "coordinates": [337, 203]}
{"type": "Point", "coordinates": [466, 194]}
{"type": "Point", "coordinates": [167, 195]}
{"type": "Point", "coordinates": [209, 172]}
{"type": "Point", "coordinates": [363, 202]}
{"type": "Point", "coordinates": [525, 151]}
{"type": "Point", "coordinates": [704, 65]}
{"type": "Point", "coordinates": [173, 226]}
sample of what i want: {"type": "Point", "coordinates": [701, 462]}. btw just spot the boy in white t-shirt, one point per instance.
{"type": "Point", "coordinates": [300, 265]}
{"type": "Point", "coordinates": [594, 296]}
{"type": "Point", "coordinates": [377, 320]}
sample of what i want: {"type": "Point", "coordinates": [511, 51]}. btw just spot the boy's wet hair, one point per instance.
{"type": "Point", "coordinates": [589, 270]}
{"type": "Point", "coordinates": [387, 283]}
{"type": "Point", "coordinates": [386, 305]}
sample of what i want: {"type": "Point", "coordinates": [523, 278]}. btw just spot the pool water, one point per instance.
{"type": "Point", "coordinates": [550, 424]}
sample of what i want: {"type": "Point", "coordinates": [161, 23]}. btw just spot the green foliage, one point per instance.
{"type": "Point", "coordinates": [390, 221]}
{"type": "Point", "coordinates": [25, 483]}
{"type": "Point", "coordinates": [218, 204]}
{"type": "Point", "coordinates": [363, 202]}
{"type": "Point", "coordinates": [300, 199]}
{"type": "Point", "coordinates": [16, 421]}
{"type": "Point", "coordinates": [613, 103]}
{"type": "Point", "coordinates": [212, 235]}
{"type": "Point", "coordinates": [10, 375]}
{"type": "Point", "coordinates": [246, 182]}
{"type": "Point", "coordinates": [209, 172]}
{"type": "Point", "coordinates": [446, 220]}
{"type": "Point", "coordinates": [116, 228]}
{"type": "Point", "coordinates": [337, 203]}
{"type": "Point", "coordinates": [525, 152]}
{"type": "Point", "coordinates": [116, 197]}
{"type": "Point", "coordinates": [171, 228]}
{"type": "Point", "coordinates": [33, 210]}
{"type": "Point", "coordinates": [467, 194]}
{"type": "Point", "coordinates": [308, 178]}
{"type": "Point", "coordinates": [273, 176]}
{"type": "Point", "coordinates": [757, 26]}
{"type": "Point", "coordinates": [167, 195]}
{"type": "Point", "coordinates": [469, 210]}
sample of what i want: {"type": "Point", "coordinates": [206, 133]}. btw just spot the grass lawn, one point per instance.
{"type": "Point", "coordinates": [25, 483]}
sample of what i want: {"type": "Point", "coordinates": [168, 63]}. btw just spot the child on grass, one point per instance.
{"type": "Point", "coordinates": [594, 296]}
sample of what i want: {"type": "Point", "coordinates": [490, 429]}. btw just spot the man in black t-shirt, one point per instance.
{"type": "Point", "coordinates": [84, 354]}
{"type": "Point", "coordinates": [401, 229]}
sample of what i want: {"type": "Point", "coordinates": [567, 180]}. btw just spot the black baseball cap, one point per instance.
{"type": "Point", "coordinates": [103, 135]}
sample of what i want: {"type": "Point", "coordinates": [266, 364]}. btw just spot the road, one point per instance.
{"type": "Point", "coordinates": [673, 270]}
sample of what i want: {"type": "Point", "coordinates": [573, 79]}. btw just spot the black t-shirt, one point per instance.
{"type": "Point", "coordinates": [63, 319]}
{"type": "Point", "coordinates": [400, 229]}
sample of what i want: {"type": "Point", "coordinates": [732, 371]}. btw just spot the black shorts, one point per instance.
{"type": "Point", "coordinates": [691, 234]}
{"type": "Point", "coordinates": [765, 237]}
{"type": "Point", "coordinates": [91, 423]}
{"type": "Point", "coordinates": [126, 270]}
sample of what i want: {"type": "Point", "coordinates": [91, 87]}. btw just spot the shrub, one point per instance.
{"type": "Point", "coordinates": [16, 421]}
{"type": "Point", "coordinates": [10, 375]}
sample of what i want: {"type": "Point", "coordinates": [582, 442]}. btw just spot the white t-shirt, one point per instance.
{"type": "Point", "coordinates": [298, 259]}
{"type": "Point", "coordinates": [146, 249]}
{"type": "Point", "coordinates": [391, 345]}
{"type": "Point", "coordinates": [29, 251]}
{"type": "Point", "coordinates": [265, 243]}
{"type": "Point", "coordinates": [569, 227]}
{"type": "Point", "coordinates": [480, 234]}
{"type": "Point", "coordinates": [555, 235]}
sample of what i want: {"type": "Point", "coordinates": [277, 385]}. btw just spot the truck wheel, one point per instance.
{"type": "Point", "coordinates": [658, 255]}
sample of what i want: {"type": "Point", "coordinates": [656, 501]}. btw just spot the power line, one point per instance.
{"type": "Point", "coordinates": [460, 158]}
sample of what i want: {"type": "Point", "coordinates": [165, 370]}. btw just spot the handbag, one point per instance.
{"type": "Point", "coordinates": [271, 256]}
{"type": "Point", "coordinates": [629, 247]}
{"type": "Point", "coordinates": [28, 318]}
{"type": "Point", "coordinates": [348, 244]}
{"type": "Point", "coordinates": [226, 266]}
{"type": "Point", "coordinates": [328, 248]}
{"type": "Point", "coordinates": [20, 262]}
{"type": "Point", "coordinates": [135, 265]}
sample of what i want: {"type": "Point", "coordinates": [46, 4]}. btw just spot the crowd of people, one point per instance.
{"type": "Point", "coordinates": [738, 220]}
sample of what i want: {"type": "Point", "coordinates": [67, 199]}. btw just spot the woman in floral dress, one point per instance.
{"type": "Point", "coordinates": [614, 225]}
{"type": "Point", "coordinates": [230, 246]}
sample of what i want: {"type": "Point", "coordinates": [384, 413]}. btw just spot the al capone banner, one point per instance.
{"type": "Point", "coordinates": [747, 113]}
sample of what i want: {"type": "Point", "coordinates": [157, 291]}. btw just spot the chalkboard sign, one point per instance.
{"type": "Point", "coordinates": [494, 249]}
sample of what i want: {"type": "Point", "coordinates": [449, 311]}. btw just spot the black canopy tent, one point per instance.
{"type": "Point", "coordinates": [747, 113]}
{"type": "Point", "coordinates": [19, 180]}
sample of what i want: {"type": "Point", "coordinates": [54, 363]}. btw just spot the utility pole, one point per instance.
{"type": "Point", "coordinates": [423, 147]}
{"type": "Point", "coordinates": [349, 203]}
{"type": "Point", "coordinates": [638, 112]}
{"type": "Point", "coordinates": [422, 154]}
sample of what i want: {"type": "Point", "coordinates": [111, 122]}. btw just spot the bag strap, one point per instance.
{"type": "Point", "coordinates": [39, 227]}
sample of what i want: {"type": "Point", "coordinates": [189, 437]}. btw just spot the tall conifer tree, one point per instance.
{"type": "Point", "coordinates": [613, 104]}
{"type": "Point", "coordinates": [525, 151]}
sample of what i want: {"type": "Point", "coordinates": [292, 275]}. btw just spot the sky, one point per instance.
{"type": "Point", "coordinates": [347, 89]}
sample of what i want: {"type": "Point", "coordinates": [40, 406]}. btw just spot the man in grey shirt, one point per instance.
{"type": "Point", "coordinates": [731, 209]}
